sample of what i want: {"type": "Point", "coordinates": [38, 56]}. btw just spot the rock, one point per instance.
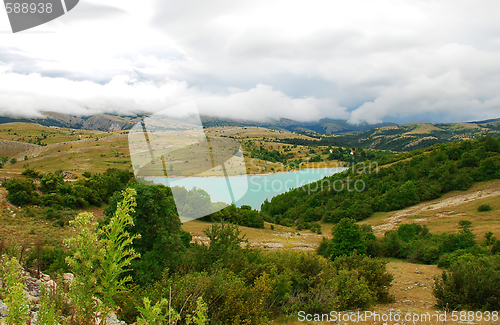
{"type": "Point", "coordinates": [68, 278]}
{"type": "Point", "coordinates": [33, 286]}
{"type": "Point", "coordinates": [3, 307]}
{"type": "Point", "coordinates": [418, 272]}
{"type": "Point", "coordinates": [45, 277]}
{"type": "Point", "coordinates": [51, 286]}
{"type": "Point", "coordinates": [33, 300]}
{"type": "Point", "coordinates": [113, 320]}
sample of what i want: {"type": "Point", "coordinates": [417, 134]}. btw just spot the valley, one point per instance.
{"type": "Point", "coordinates": [301, 227]}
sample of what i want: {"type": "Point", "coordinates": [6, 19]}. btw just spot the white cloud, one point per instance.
{"type": "Point", "coordinates": [28, 95]}
{"type": "Point", "coordinates": [386, 59]}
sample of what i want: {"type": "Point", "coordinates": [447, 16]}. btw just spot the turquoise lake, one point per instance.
{"type": "Point", "coordinates": [250, 190]}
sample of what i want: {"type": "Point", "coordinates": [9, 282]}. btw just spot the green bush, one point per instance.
{"type": "Point", "coordinates": [352, 291]}
{"type": "Point", "coordinates": [484, 208]}
{"type": "Point", "coordinates": [52, 260]}
{"type": "Point", "coordinates": [373, 270]}
{"type": "Point", "coordinates": [472, 283]}
{"type": "Point", "coordinates": [21, 191]}
{"type": "Point", "coordinates": [347, 238]}
{"type": "Point", "coordinates": [447, 259]}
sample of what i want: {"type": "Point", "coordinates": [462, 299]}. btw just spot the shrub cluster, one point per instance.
{"type": "Point", "coordinates": [244, 285]}
{"type": "Point", "coordinates": [225, 281]}
{"type": "Point", "coordinates": [57, 193]}
{"type": "Point", "coordinates": [472, 283]}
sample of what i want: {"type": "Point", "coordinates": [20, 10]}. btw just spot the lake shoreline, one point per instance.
{"type": "Point", "coordinates": [260, 174]}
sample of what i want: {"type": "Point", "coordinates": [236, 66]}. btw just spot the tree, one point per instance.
{"type": "Point", "coordinates": [347, 238]}
{"type": "Point", "coordinates": [156, 221]}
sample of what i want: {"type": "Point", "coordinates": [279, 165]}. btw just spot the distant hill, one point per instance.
{"type": "Point", "coordinates": [325, 126]}
{"type": "Point", "coordinates": [100, 122]}
{"type": "Point", "coordinates": [111, 122]}
{"type": "Point", "coordinates": [407, 137]}
{"type": "Point", "coordinates": [384, 136]}
{"type": "Point", "coordinates": [493, 124]}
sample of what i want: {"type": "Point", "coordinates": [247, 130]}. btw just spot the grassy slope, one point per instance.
{"type": "Point", "coordinates": [81, 150]}
{"type": "Point", "coordinates": [443, 214]}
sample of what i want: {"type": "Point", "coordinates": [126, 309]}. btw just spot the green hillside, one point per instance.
{"type": "Point", "coordinates": [400, 181]}
{"type": "Point", "coordinates": [406, 137]}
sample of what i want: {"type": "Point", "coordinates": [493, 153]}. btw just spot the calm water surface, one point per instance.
{"type": "Point", "coordinates": [251, 190]}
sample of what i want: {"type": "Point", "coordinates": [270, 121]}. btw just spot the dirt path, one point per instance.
{"type": "Point", "coordinates": [394, 219]}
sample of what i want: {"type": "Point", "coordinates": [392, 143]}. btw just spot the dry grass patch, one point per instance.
{"type": "Point", "coordinates": [443, 214]}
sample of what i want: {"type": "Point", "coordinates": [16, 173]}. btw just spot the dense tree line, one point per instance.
{"type": "Point", "coordinates": [368, 187]}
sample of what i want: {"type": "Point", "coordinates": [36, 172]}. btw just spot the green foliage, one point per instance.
{"type": "Point", "coordinates": [352, 291]}
{"type": "Point", "coordinates": [85, 266]}
{"type": "Point", "coordinates": [413, 177]}
{"type": "Point", "coordinates": [117, 253]}
{"type": "Point", "coordinates": [100, 259]}
{"type": "Point", "coordinates": [156, 221]}
{"type": "Point", "coordinates": [415, 243]}
{"type": "Point", "coordinates": [244, 216]}
{"type": "Point", "coordinates": [47, 314]}
{"type": "Point", "coordinates": [265, 154]}
{"type": "Point", "coordinates": [447, 259]}
{"type": "Point", "coordinates": [225, 246]}
{"type": "Point", "coordinates": [15, 296]}
{"type": "Point", "coordinates": [21, 191]}
{"type": "Point", "coordinates": [372, 270]}
{"type": "Point", "coordinates": [155, 315]}
{"type": "Point", "coordinates": [473, 283]}
{"type": "Point", "coordinates": [82, 193]}
{"type": "Point", "coordinates": [201, 314]}
{"type": "Point", "coordinates": [484, 208]}
{"type": "Point", "coordinates": [241, 285]}
{"type": "Point", "coordinates": [495, 248]}
{"type": "Point", "coordinates": [31, 173]}
{"type": "Point", "coordinates": [51, 260]}
{"type": "Point", "coordinates": [462, 240]}
{"type": "Point", "coordinates": [347, 239]}
{"type": "Point", "coordinates": [51, 182]}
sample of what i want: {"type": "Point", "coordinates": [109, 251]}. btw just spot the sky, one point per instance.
{"type": "Point", "coordinates": [365, 61]}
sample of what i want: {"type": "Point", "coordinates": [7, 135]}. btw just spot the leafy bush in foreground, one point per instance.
{"type": "Point", "coordinates": [472, 283]}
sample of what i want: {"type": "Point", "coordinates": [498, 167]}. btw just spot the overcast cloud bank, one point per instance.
{"type": "Point", "coordinates": [363, 61]}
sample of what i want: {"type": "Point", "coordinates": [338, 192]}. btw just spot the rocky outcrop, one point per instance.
{"type": "Point", "coordinates": [3, 308]}
{"type": "Point", "coordinates": [33, 287]}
